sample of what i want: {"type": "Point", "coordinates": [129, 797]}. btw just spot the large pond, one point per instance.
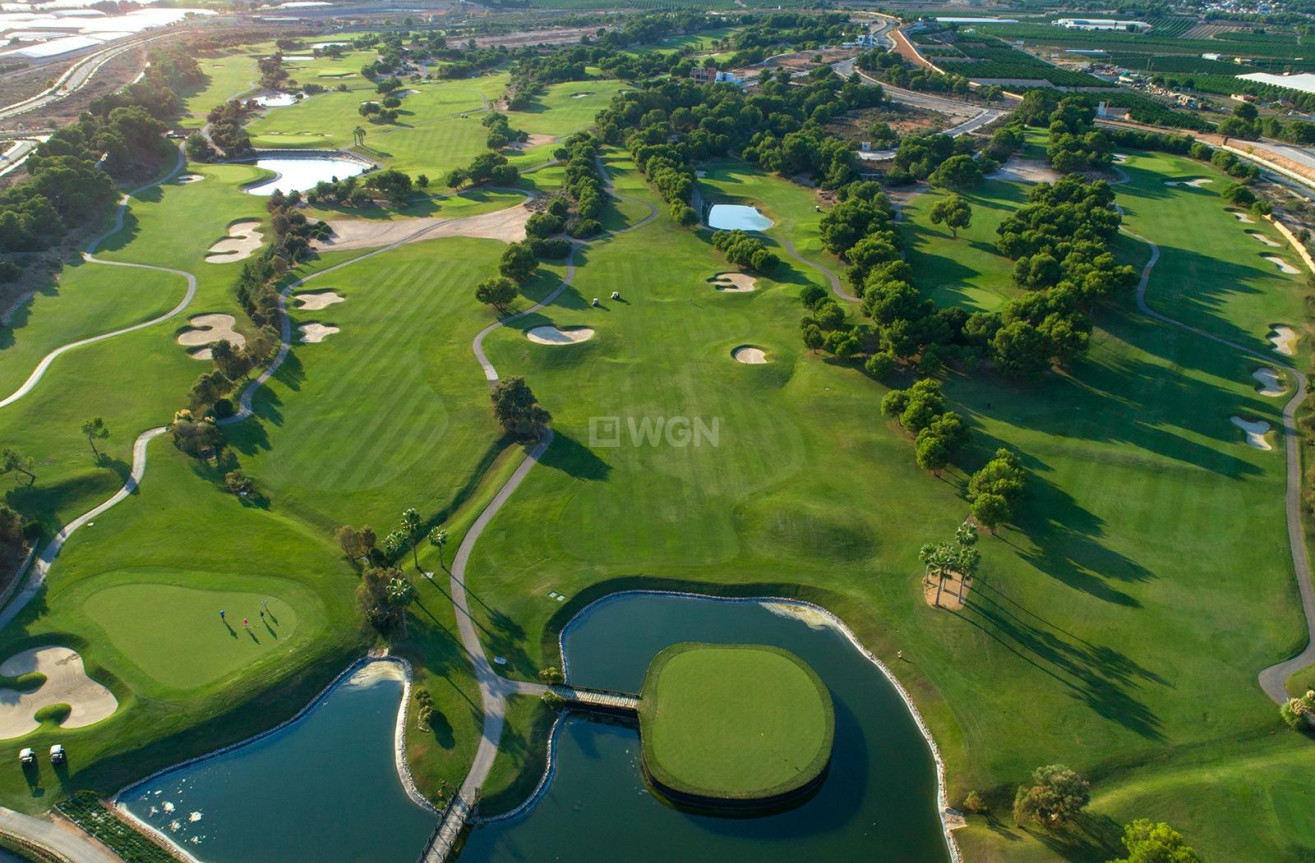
{"type": "Point", "coordinates": [879, 801]}
{"type": "Point", "coordinates": [302, 173]}
{"type": "Point", "coordinates": [324, 790]}
{"type": "Point", "coordinates": [730, 217]}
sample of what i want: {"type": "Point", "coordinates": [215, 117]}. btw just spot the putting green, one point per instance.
{"type": "Point", "coordinates": [174, 634]}
{"type": "Point", "coordinates": [734, 723]}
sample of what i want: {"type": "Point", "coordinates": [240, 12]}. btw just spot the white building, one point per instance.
{"type": "Point", "coordinates": [1100, 24]}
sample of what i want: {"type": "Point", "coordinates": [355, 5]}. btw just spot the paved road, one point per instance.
{"type": "Point", "coordinates": [78, 76]}
{"type": "Point", "coordinates": [58, 835]}
{"type": "Point", "coordinates": [16, 155]}
{"type": "Point", "coordinates": [1273, 679]}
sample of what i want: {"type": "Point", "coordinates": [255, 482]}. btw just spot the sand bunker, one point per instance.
{"type": "Point", "coordinates": [189, 178]}
{"type": "Point", "coordinates": [1262, 238]}
{"type": "Point", "coordinates": [750, 355]}
{"type": "Point", "coordinates": [314, 333]}
{"type": "Point", "coordinates": [1283, 266]}
{"type": "Point", "coordinates": [733, 282]}
{"type": "Point", "coordinates": [313, 302]}
{"type": "Point", "coordinates": [550, 335]}
{"type": "Point", "coordinates": [1026, 171]}
{"type": "Point", "coordinates": [1120, 158]}
{"type": "Point", "coordinates": [507, 225]}
{"type": "Point", "coordinates": [242, 242]}
{"type": "Point", "coordinates": [533, 141]}
{"type": "Point", "coordinates": [208, 329]}
{"type": "Point", "coordinates": [1195, 184]}
{"type": "Point", "coordinates": [947, 591]}
{"type": "Point", "coordinates": [1284, 340]}
{"type": "Point", "coordinates": [1242, 217]}
{"type": "Point", "coordinates": [580, 95]}
{"type": "Point", "coordinates": [1270, 383]}
{"type": "Point", "coordinates": [66, 683]}
{"type": "Point", "coordinates": [1256, 431]}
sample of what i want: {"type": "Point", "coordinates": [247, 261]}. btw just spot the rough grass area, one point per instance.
{"type": "Point", "coordinates": [736, 722]}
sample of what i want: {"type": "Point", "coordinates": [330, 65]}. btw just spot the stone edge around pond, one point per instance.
{"type": "Point", "coordinates": [944, 811]}
{"type": "Point", "coordinates": [807, 780]}
{"type": "Point", "coordinates": [399, 750]}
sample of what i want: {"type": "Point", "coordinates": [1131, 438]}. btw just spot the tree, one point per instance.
{"type": "Point", "coordinates": [957, 172]}
{"type": "Point", "coordinates": [353, 542]}
{"type": "Point", "coordinates": [991, 510]}
{"type": "Point", "coordinates": [94, 429]}
{"type": "Point", "coordinates": [517, 410]}
{"type": "Point", "coordinates": [1149, 842]}
{"type": "Point", "coordinates": [518, 262]}
{"type": "Point", "coordinates": [1056, 795]}
{"type": "Point", "coordinates": [813, 338]}
{"type": "Point", "coordinates": [973, 802]}
{"type": "Point", "coordinates": [498, 292]}
{"type": "Point", "coordinates": [400, 593]}
{"type": "Point", "coordinates": [438, 539]}
{"type": "Point", "coordinates": [358, 136]}
{"type": "Point", "coordinates": [411, 526]}
{"type": "Point", "coordinates": [954, 212]}
{"type": "Point", "coordinates": [239, 483]}
{"type": "Point", "coordinates": [11, 461]}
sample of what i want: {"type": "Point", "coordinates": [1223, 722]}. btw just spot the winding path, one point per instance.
{"type": "Point", "coordinates": [1272, 680]}
{"type": "Point", "coordinates": [39, 372]}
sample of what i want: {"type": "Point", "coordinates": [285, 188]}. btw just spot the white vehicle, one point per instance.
{"type": "Point", "coordinates": [27, 756]}
{"type": "Point", "coordinates": [57, 754]}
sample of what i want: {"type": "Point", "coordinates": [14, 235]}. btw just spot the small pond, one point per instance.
{"type": "Point", "coordinates": [879, 800]}
{"type": "Point", "coordinates": [730, 217]}
{"type": "Point", "coordinates": [302, 173]}
{"type": "Point", "coordinates": [323, 790]}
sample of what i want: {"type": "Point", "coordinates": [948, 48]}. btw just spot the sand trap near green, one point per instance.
{"type": "Point", "coordinates": [734, 723]}
{"type": "Point", "coordinates": [175, 636]}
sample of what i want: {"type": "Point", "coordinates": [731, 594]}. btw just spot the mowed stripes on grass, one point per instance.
{"type": "Point", "coordinates": [391, 408]}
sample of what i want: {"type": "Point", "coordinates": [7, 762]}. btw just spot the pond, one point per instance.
{"type": "Point", "coordinates": [878, 802]}
{"type": "Point", "coordinates": [731, 217]}
{"type": "Point", "coordinates": [302, 173]}
{"type": "Point", "coordinates": [323, 790]}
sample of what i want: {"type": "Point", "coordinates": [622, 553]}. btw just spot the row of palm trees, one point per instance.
{"type": "Point", "coordinates": [960, 557]}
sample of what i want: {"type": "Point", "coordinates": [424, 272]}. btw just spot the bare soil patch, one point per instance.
{"type": "Point", "coordinates": [507, 225]}
{"type": "Point", "coordinates": [947, 591]}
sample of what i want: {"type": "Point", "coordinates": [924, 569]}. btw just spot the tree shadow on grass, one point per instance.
{"type": "Point", "coordinates": [1099, 676]}
{"type": "Point", "coordinates": [575, 459]}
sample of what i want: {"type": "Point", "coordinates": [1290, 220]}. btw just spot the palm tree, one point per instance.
{"type": "Point", "coordinates": [936, 558]}
{"type": "Point", "coordinates": [411, 525]}
{"type": "Point", "coordinates": [438, 539]}
{"type": "Point", "coordinates": [968, 557]}
{"type": "Point", "coordinates": [95, 428]}
{"type": "Point", "coordinates": [401, 593]}
{"type": "Point", "coordinates": [358, 136]}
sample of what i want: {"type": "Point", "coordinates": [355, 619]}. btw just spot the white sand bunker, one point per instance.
{"type": "Point", "coordinates": [1283, 266]}
{"type": "Point", "coordinates": [1262, 238]}
{"type": "Point", "coordinates": [1242, 217]}
{"type": "Point", "coordinates": [1256, 431]}
{"type": "Point", "coordinates": [189, 178]}
{"type": "Point", "coordinates": [313, 302]}
{"type": "Point", "coordinates": [550, 335]}
{"type": "Point", "coordinates": [750, 355]}
{"type": "Point", "coordinates": [314, 333]}
{"type": "Point", "coordinates": [66, 683]}
{"type": "Point", "coordinates": [532, 141]}
{"type": "Point", "coordinates": [208, 329]}
{"type": "Point", "coordinates": [1120, 158]}
{"type": "Point", "coordinates": [1284, 339]}
{"type": "Point", "coordinates": [733, 282]}
{"type": "Point", "coordinates": [1195, 183]}
{"type": "Point", "coordinates": [581, 95]}
{"type": "Point", "coordinates": [1270, 383]}
{"type": "Point", "coordinates": [1026, 171]}
{"type": "Point", "coordinates": [507, 225]}
{"type": "Point", "coordinates": [242, 242]}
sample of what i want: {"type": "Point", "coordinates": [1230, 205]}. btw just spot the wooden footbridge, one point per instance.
{"type": "Point", "coordinates": [459, 812]}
